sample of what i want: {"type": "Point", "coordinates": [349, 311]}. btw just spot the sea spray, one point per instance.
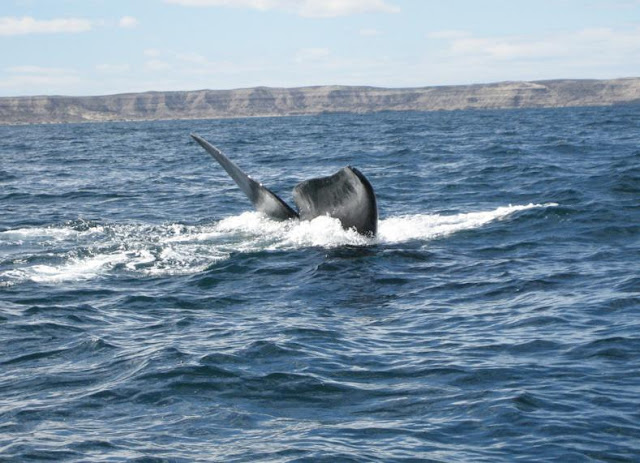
{"type": "Point", "coordinates": [174, 249]}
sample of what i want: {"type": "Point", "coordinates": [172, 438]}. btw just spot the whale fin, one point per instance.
{"type": "Point", "coordinates": [346, 195]}
{"type": "Point", "coordinates": [263, 199]}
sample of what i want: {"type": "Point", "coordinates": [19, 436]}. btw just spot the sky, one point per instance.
{"type": "Point", "coordinates": [100, 47]}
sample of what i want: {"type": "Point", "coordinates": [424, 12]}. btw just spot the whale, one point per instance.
{"type": "Point", "coordinates": [346, 195]}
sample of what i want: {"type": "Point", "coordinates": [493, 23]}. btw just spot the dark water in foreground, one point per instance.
{"type": "Point", "coordinates": [147, 315]}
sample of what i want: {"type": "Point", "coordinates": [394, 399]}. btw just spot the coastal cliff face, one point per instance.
{"type": "Point", "coordinates": [264, 101]}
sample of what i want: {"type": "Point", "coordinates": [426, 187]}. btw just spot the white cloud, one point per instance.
{"type": "Point", "coordinates": [38, 70]}
{"type": "Point", "coordinates": [305, 8]}
{"type": "Point", "coordinates": [195, 64]}
{"type": "Point", "coordinates": [128, 22]}
{"type": "Point", "coordinates": [505, 48]}
{"type": "Point", "coordinates": [583, 53]}
{"type": "Point", "coordinates": [28, 25]}
{"type": "Point", "coordinates": [306, 55]}
{"type": "Point", "coordinates": [448, 34]}
{"type": "Point", "coordinates": [156, 65]}
{"type": "Point", "coordinates": [152, 52]}
{"type": "Point", "coordinates": [38, 76]}
{"type": "Point", "coordinates": [333, 8]}
{"type": "Point", "coordinates": [369, 32]}
{"type": "Point", "coordinates": [583, 44]}
{"type": "Point", "coordinates": [192, 57]}
{"type": "Point", "coordinates": [113, 68]}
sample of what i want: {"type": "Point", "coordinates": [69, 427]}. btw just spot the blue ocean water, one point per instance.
{"type": "Point", "coordinates": [147, 314]}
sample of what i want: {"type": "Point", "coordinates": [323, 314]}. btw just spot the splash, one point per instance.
{"type": "Point", "coordinates": [76, 253]}
{"type": "Point", "coordinates": [428, 227]}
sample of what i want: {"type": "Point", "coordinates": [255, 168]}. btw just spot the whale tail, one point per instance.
{"type": "Point", "coordinates": [263, 199]}
{"type": "Point", "coordinates": [346, 195]}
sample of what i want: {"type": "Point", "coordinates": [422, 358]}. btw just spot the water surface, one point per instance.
{"type": "Point", "coordinates": [147, 314]}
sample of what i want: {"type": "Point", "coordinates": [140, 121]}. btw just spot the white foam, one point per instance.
{"type": "Point", "coordinates": [426, 227]}
{"type": "Point", "coordinates": [46, 233]}
{"type": "Point", "coordinates": [260, 232]}
{"type": "Point", "coordinates": [172, 249]}
{"type": "Point", "coordinates": [73, 270]}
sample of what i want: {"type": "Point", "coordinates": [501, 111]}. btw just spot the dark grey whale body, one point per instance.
{"type": "Point", "coordinates": [346, 195]}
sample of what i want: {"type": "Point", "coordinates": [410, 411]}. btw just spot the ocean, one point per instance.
{"type": "Point", "coordinates": [148, 314]}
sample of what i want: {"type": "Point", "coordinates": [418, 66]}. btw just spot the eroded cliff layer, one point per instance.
{"type": "Point", "coordinates": [266, 101]}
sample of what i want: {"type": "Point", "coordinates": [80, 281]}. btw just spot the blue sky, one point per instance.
{"type": "Point", "coordinates": [95, 47]}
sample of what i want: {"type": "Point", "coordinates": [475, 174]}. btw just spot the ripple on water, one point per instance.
{"type": "Point", "coordinates": [146, 317]}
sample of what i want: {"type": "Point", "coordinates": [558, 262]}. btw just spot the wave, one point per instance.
{"type": "Point", "coordinates": [88, 250]}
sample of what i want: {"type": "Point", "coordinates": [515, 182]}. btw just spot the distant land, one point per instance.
{"type": "Point", "coordinates": [267, 101]}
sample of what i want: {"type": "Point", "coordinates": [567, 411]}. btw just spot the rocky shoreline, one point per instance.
{"type": "Point", "coordinates": [267, 101]}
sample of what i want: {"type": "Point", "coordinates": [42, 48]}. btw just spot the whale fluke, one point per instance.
{"type": "Point", "coordinates": [346, 195]}
{"type": "Point", "coordinates": [263, 199]}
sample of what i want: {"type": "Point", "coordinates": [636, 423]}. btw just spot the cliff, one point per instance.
{"type": "Point", "coordinates": [264, 101]}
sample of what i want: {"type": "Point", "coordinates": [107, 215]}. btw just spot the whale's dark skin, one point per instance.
{"type": "Point", "coordinates": [346, 195]}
